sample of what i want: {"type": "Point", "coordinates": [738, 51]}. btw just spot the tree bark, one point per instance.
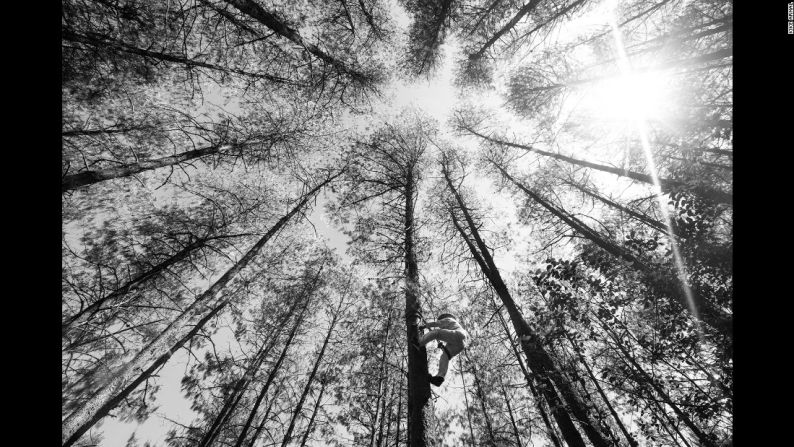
{"type": "Point", "coordinates": [113, 391]}
{"type": "Point", "coordinates": [70, 437]}
{"type": "Point", "coordinates": [510, 412]}
{"type": "Point", "coordinates": [652, 223]}
{"type": "Point", "coordinates": [420, 409]}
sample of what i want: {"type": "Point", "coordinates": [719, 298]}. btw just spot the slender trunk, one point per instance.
{"type": "Point", "coordinates": [529, 379]}
{"type": "Point", "coordinates": [241, 385]}
{"type": "Point", "coordinates": [310, 427]}
{"type": "Point", "coordinates": [537, 357]}
{"type": "Point", "coordinates": [380, 379]}
{"type": "Point", "coordinates": [114, 391]}
{"type": "Point", "coordinates": [277, 366]}
{"type": "Point", "coordinates": [400, 408]}
{"type": "Point", "coordinates": [390, 413]}
{"type": "Point", "coordinates": [650, 222]}
{"type": "Point", "coordinates": [109, 130]}
{"type": "Point", "coordinates": [312, 375]}
{"type": "Point", "coordinates": [132, 285]}
{"type": "Point", "coordinates": [702, 437]}
{"type": "Point", "coordinates": [481, 397]}
{"type": "Point", "coordinates": [266, 416]}
{"type": "Point", "coordinates": [98, 40]}
{"type": "Point", "coordinates": [468, 410]}
{"type": "Point", "coordinates": [420, 409]}
{"type": "Point", "coordinates": [707, 312]}
{"type": "Point", "coordinates": [379, 439]}
{"type": "Point", "coordinates": [510, 412]}
{"type": "Point", "coordinates": [615, 416]}
{"type": "Point", "coordinates": [256, 12]}
{"type": "Point", "coordinates": [84, 178]}
{"type": "Point", "coordinates": [666, 184]}
{"type": "Point", "coordinates": [526, 9]}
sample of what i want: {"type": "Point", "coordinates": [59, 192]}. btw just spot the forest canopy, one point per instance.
{"type": "Point", "coordinates": [265, 203]}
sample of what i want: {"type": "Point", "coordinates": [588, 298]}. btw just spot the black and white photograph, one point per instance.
{"type": "Point", "coordinates": [398, 223]}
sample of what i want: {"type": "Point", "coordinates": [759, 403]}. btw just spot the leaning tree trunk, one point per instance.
{"type": "Point", "coordinates": [529, 379]}
{"type": "Point", "coordinates": [707, 312]}
{"type": "Point", "coordinates": [271, 21]}
{"type": "Point", "coordinates": [510, 412]}
{"type": "Point", "coordinates": [537, 357]}
{"type": "Point", "coordinates": [309, 291]}
{"type": "Point", "coordinates": [650, 222]}
{"type": "Point", "coordinates": [312, 375]}
{"type": "Point", "coordinates": [478, 392]}
{"type": "Point", "coordinates": [100, 41]}
{"type": "Point", "coordinates": [420, 407]}
{"type": "Point", "coordinates": [231, 402]}
{"type": "Point", "coordinates": [310, 426]}
{"type": "Point", "coordinates": [704, 439]}
{"type": "Point", "coordinates": [712, 194]}
{"type": "Point", "coordinates": [84, 178]}
{"type": "Point", "coordinates": [526, 9]}
{"type": "Point", "coordinates": [109, 395]}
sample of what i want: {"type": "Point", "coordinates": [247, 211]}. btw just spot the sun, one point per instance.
{"type": "Point", "coordinates": [629, 97]}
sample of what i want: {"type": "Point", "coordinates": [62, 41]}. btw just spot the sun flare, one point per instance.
{"type": "Point", "coordinates": [631, 96]}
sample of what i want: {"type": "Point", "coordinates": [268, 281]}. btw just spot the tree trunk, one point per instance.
{"type": "Point", "coordinates": [420, 408]}
{"type": "Point", "coordinates": [72, 436]}
{"type": "Point", "coordinates": [98, 40]}
{"type": "Point", "coordinates": [529, 379]}
{"type": "Point", "coordinates": [481, 397]}
{"type": "Point", "coordinates": [468, 410]}
{"type": "Point", "coordinates": [707, 312]}
{"type": "Point", "coordinates": [380, 379]}
{"type": "Point", "coordinates": [702, 437]}
{"type": "Point", "coordinates": [256, 12]}
{"type": "Point", "coordinates": [84, 178]}
{"type": "Point", "coordinates": [277, 366]}
{"type": "Point", "coordinates": [113, 391]}
{"type": "Point", "coordinates": [526, 9]}
{"type": "Point", "coordinates": [310, 427]}
{"type": "Point", "coordinates": [510, 412]}
{"type": "Point", "coordinates": [308, 387]}
{"type": "Point", "coordinates": [231, 402]}
{"type": "Point", "coordinates": [537, 357]}
{"type": "Point", "coordinates": [714, 195]}
{"type": "Point", "coordinates": [652, 223]}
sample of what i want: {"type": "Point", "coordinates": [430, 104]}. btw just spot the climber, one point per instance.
{"type": "Point", "coordinates": [454, 337]}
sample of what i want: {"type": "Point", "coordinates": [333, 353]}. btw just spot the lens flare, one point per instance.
{"type": "Point", "coordinates": [639, 110]}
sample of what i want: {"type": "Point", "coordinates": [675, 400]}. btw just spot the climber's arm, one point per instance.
{"type": "Point", "coordinates": [429, 324]}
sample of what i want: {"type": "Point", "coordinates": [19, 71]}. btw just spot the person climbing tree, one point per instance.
{"type": "Point", "coordinates": [454, 337]}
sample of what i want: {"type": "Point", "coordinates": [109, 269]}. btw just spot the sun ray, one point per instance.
{"type": "Point", "coordinates": [638, 110]}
